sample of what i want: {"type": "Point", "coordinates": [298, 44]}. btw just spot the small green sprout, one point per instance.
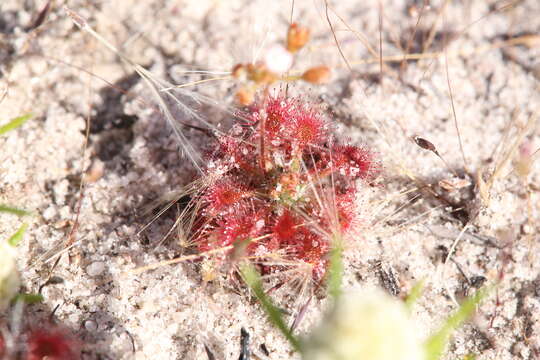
{"type": "Point", "coordinates": [14, 123]}
{"type": "Point", "coordinates": [13, 210]}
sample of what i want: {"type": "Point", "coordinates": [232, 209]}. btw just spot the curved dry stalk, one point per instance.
{"type": "Point", "coordinates": [70, 241]}
{"type": "Point", "coordinates": [191, 189]}
{"type": "Point", "coordinates": [378, 206]}
{"type": "Point", "coordinates": [403, 206]}
{"type": "Point", "coordinates": [192, 257]}
{"type": "Point", "coordinates": [450, 92]}
{"type": "Point", "coordinates": [361, 37]}
{"type": "Point", "coordinates": [197, 82]}
{"type": "Point", "coordinates": [380, 41]}
{"type": "Point", "coordinates": [520, 40]}
{"type": "Point", "coordinates": [446, 261]}
{"type": "Point", "coordinates": [425, 5]}
{"type": "Point", "coordinates": [335, 37]}
{"type": "Point", "coordinates": [433, 30]}
{"type": "Point", "coordinates": [177, 260]}
{"type": "Point", "coordinates": [54, 253]}
{"type": "Point", "coordinates": [408, 224]}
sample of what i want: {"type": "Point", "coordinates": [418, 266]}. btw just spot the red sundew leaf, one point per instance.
{"type": "Point", "coordinates": [235, 229]}
{"type": "Point", "coordinates": [301, 243]}
{"type": "Point", "coordinates": [355, 162]}
{"type": "Point", "coordinates": [234, 153]}
{"type": "Point", "coordinates": [227, 146]}
{"type": "Point", "coordinates": [241, 225]}
{"type": "Point", "coordinates": [313, 249]}
{"type": "Point", "coordinates": [286, 227]}
{"type": "Point", "coordinates": [51, 343]}
{"type": "Point", "coordinates": [287, 120]}
{"type": "Point", "coordinates": [346, 211]}
{"type": "Point", "coordinates": [206, 242]}
{"type": "Point", "coordinates": [278, 112]}
{"type": "Point", "coordinates": [222, 195]}
{"type": "Point", "coordinates": [2, 347]}
{"type": "Point", "coordinates": [306, 128]}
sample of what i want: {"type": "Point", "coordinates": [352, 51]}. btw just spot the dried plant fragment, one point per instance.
{"type": "Point", "coordinates": [454, 184]}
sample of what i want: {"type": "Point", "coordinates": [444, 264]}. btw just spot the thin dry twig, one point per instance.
{"type": "Point", "coordinates": [380, 41]}
{"type": "Point", "coordinates": [425, 4]}
{"type": "Point", "coordinates": [446, 262]}
{"type": "Point", "coordinates": [433, 30]}
{"type": "Point", "coordinates": [461, 149]}
{"type": "Point", "coordinates": [335, 37]}
{"type": "Point", "coordinates": [70, 240]}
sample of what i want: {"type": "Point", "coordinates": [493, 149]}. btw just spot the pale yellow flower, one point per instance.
{"type": "Point", "coordinates": [365, 325]}
{"type": "Point", "coordinates": [9, 276]}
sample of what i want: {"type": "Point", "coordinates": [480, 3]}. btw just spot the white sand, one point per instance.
{"type": "Point", "coordinates": [168, 313]}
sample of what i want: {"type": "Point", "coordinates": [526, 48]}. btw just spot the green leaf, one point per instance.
{"type": "Point", "coordinates": [252, 278]}
{"type": "Point", "coordinates": [13, 210]}
{"type": "Point", "coordinates": [335, 270]}
{"type": "Point", "coordinates": [436, 344]}
{"type": "Point", "coordinates": [14, 123]}
{"type": "Point", "coordinates": [28, 298]}
{"type": "Point", "coordinates": [414, 295]}
{"type": "Point", "coordinates": [16, 238]}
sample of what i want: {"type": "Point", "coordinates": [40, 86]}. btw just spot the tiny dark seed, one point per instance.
{"type": "Point", "coordinates": [425, 144]}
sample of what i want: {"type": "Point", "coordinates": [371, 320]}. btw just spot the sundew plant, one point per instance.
{"type": "Point", "coordinates": [281, 188]}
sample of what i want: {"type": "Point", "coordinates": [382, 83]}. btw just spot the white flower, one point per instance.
{"type": "Point", "coordinates": [277, 59]}
{"type": "Point", "coordinates": [365, 325]}
{"type": "Point", "coordinates": [9, 276]}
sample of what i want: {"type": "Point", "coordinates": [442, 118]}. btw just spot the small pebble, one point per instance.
{"type": "Point", "coordinates": [527, 229]}
{"type": "Point", "coordinates": [95, 268]}
{"type": "Point", "coordinates": [90, 325]}
{"type": "Point", "coordinates": [49, 213]}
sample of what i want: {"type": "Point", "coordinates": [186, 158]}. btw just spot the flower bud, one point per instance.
{"type": "Point", "coordinates": [365, 325]}
{"type": "Point", "coordinates": [317, 75]}
{"type": "Point", "coordinates": [244, 96]}
{"type": "Point", "coordinates": [297, 37]}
